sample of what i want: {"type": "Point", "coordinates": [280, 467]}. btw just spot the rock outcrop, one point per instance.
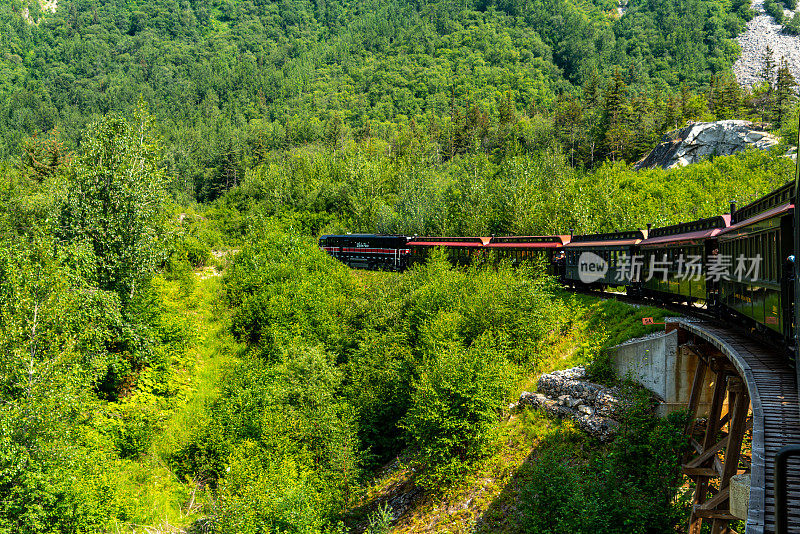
{"type": "Point", "coordinates": [700, 140]}
{"type": "Point", "coordinates": [568, 394]}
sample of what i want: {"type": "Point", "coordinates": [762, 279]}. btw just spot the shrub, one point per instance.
{"type": "Point", "coordinates": [136, 431]}
{"type": "Point", "coordinates": [549, 498]}
{"type": "Point", "coordinates": [792, 25]}
{"type": "Point", "coordinates": [455, 406]}
{"type": "Point", "coordinates": [775, 9]}
{"type": "Point", "coordinates": [628, 487]}
{"type": "Point", "coordinates": [280, 443]}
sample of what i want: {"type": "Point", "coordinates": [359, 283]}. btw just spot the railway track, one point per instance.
{"type": "Point", "coordinates": [774, 408]}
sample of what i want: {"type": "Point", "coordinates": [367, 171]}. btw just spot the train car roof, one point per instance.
{"type": "Point", "coordinates": [540, 241]}
{"type": "Point", "coordinates": [630, 237]}
{"type": "Point", "coordinates": [449, 241]}
{"type": "Point", "coordinates": [780, 197]}
{"type": "Point", "coordinates": [777, 211]}
{"type": "Point", "coordinates": [689, 231]}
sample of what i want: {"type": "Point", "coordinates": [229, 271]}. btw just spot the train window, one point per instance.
{"type": "Point", "coordinates": [775, 256]}
{"type": "Point", "coordinates": [744, 249]}
{"type": "Point", "coordinates": [756, 246]}
{"type": "Point", "coordinates": [765, 269]}
{"type": "Point", "coordinates": [773, 259]}
{"type": "Point", "coordinates": [777, 261]}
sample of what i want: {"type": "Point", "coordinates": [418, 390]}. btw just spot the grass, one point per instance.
{"type": "Point", "coordinates": [158, 499]}
{"type": "Point", "coordinates": [214, 350]}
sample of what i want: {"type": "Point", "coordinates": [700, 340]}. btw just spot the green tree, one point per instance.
{"type": "Point", "coordinates": [767, 72]}
{"type": "Point", "coordinates": [115, 199]}
{"type": "Point", "coordinates": [784, 92]}
{"type": "Point", "coordinates": [617, 136]}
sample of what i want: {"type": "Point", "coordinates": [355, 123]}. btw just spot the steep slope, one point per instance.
{"type": "Point", "coordinates": [763, 32]}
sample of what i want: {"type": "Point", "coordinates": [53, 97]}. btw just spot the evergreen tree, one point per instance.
{"type": "Point", "coordinates": [570, 122]}
{"type": "Point", "coordinates": [767, 72]}
{"type": "Point", "coordinates": [615, 98]}
{"type": "Point", "coordinates": [784, 92]}
{"type": "Point", "coordinates": [725, 97]}
{"type": "Point", "coordinates": [618, 136]}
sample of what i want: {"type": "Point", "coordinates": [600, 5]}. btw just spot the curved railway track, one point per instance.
{"type": "Point", "coordinates": [743, 263]}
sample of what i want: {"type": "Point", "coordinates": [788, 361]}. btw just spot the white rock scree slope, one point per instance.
{"type": "Point", "coordinates": [762, 32]}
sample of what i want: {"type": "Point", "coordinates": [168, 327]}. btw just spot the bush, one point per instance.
{"type": "Point", "coordinates": [280, 444]}
{"type": "Point", "coordinates": [549, 498]}
{"type": "Point", "coordinates": [628, 487]}
{"type": "Point", "coordinates": [775, 9]}
{"type": "Point", "coordinates": [455, 407]}
{"type": "Point", "coordinates": [792, 26]}
{"type": "Point", "coordinates": [136, 431]}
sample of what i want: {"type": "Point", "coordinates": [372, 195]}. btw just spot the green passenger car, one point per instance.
{"type": "Point", "coordinates": [761, 232]}
{"type": "Point", "coordinates": [675, 260]}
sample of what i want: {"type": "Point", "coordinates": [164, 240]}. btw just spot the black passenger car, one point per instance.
{"type": "Point", "coordinates": [368, 251]}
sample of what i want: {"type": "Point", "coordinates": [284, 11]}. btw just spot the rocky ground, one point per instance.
{"type": "Point", "coordinates": [569, 393]}
{"type": "Point", "coordinates": [761, 32]}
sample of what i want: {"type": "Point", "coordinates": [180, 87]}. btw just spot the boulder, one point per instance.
{"type": "Point", "coordinates": [700, 140]}
{"type": "Point", "coordinates": [572, 389]}
{"type": "Point", "coordinates": [568, 394]}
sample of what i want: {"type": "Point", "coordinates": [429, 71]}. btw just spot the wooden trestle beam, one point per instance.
{"type": "Point", "coordinates": [702, 462]}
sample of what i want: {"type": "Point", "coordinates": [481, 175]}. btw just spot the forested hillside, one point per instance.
{"type": "Point", "coordinates": [177, 354]}
{"type": "Point", "coordinates": [230, 81]}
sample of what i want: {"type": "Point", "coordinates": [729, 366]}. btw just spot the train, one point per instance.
{"type": "Point", "coordinates": [739, 266]}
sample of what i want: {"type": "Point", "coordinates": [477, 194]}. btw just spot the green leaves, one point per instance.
{"type": "Point", "coordinates": [114, 202]}
{"type": "Point", "coordinates": [455, 406]}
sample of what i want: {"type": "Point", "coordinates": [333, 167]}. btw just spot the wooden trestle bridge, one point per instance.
{"type": "Point", "coordinates": [761, 392]}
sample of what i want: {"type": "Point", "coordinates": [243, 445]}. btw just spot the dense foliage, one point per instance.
{"type": "Point", "coordinates": [91, 353]}
{"type": "Point", "coordinates": [133, 394]}
{"type": "Point", "coordinates": [232, 81]}
{"type": "Point", "coordinates": [344, 370]}
{"type": "Point", "coordinates": [363, 189]}
{"type": "Point", "coordinates": [631, 487]}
